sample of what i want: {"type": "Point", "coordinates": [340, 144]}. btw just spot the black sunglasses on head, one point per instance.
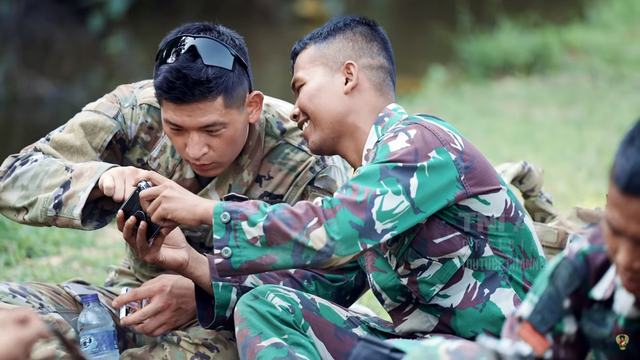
{"type": "Point", "coordinates": [211, 51]}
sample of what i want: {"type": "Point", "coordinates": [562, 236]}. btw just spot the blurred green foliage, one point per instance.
{"type": "Point", "coordinates": [511, 48]}
{"type": "Point", "coordinates": [103, 11]}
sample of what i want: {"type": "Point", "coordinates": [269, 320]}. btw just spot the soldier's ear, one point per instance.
{"type": "Point", "coordinates": [254, 106]}
{"type": "Point", "coordinates": [350, 74]}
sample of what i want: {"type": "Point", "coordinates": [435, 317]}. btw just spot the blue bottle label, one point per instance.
{"type": "Point", "coordinates": [99, 342]}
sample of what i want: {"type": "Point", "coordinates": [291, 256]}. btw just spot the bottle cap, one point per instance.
{"type": "Point", "coordinates": [89, 298]}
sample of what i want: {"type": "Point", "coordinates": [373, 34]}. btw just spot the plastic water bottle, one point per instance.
{"type": "Point", "coordinates": [97, 332]}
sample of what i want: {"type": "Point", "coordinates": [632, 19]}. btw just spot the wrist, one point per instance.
{"type": "Point", "coordinates": [195, 263]}
{"type": "Point", "coordinates": [95, 193]}
{"type": "Point", "coordinates": [205, 213]}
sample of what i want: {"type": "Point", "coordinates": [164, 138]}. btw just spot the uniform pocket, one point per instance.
{"type": "Point", "coordinates": [435, 253]}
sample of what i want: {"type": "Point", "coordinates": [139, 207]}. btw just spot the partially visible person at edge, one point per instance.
{"type": "Point", "coordinates": [445, 245]}
{"type": "Point", "coordinates": [20, 328]}
{"type": "Point", "coordinates": [201, 124]}
{"type": "Point", "coordinates": [587, 299]}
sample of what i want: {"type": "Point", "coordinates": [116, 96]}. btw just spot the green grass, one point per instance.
{"type": "Point", "coordinates": [48, 254]}
{"type": "Point", "coordinates": [558, 97]}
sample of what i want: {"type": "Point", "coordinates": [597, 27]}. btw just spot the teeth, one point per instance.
{"type": "Point", "coordinates": [304, 126]}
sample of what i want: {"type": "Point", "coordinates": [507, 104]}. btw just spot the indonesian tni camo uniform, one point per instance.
{"type": "Point", "coordinates": [444, 244]}
{"type": "Point", "coordinates": [49, 182]}
{"type": "Point", "coordinates": [576, 307]}
{"type": "Point", "coordinates": [579, 305]}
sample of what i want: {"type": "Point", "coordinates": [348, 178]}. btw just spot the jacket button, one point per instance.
{"type": "Point", "coordinates": [226, 252]}
{"type": "Point", "coordinates": [225, 217]}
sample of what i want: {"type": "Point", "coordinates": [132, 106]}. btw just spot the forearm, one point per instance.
{"type": "Point", "coordinates": [366, 212]}
{"type": "Point", "coordinates": [58, 193]}
{"type": "Point", "coordinates": [50, 181]}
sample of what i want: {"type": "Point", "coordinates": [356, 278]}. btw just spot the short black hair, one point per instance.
{"type": "Point", "coordinates": [362, 38]}
{"type": "Point", "coordinates": [189, 80]}
{"type": "Point", "coordinates": [626, 167]}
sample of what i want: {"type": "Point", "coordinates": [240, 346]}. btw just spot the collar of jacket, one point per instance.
{"type": "Point", "coordinates": [389, 116]}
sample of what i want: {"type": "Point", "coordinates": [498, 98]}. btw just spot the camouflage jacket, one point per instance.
{"type": "Point", "coordinates": [579, 305]}
{"type": "Point", "coordinates": [48, 182]}
{"type": "Point", "coordinates": [446, 246]}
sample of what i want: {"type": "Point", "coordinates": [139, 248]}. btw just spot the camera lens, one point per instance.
{"type": "Point", "coordinates": [142, 185]}
{"type": "Point", "coordinates": [140, 215]}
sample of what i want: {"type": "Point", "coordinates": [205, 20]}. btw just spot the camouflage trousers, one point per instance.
{"type": "Point", "coordinates": [278, 322]}
{"type": "Point", "coordinates": [59, 305]}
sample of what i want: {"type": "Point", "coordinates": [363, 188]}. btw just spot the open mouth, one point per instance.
{"type": "Point", "coordinates": [303, 124]}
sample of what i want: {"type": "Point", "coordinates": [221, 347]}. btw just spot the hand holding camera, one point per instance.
{"type": "Point", "coordinates": [132, 208]}
{"type": "Point", "coordinates": [170, 204]}
{"type": "Point", "coordinates": [158, 242]}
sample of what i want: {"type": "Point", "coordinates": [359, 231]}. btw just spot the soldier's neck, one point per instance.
{"type": "Point", "coordinates": [204, 181]}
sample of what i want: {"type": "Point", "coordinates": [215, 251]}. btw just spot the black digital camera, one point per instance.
{"type": "Point", "coordinates": [132, 207]}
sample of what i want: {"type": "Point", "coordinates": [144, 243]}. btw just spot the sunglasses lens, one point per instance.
{"type": "Point", "coordinates": [214, 54]}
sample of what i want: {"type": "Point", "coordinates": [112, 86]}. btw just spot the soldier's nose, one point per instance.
{"type": "Point", "coordinates": [295, 114]}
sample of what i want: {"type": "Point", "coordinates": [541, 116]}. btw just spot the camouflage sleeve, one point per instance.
{"type": "Point", "coordinates": [548, 317]}
{"type": "Point", "coordinates": [410, 177]}
{"type": "Point", "coordinates": [48, 182]}
{"type": "Point", "coordinates": [342, 286]}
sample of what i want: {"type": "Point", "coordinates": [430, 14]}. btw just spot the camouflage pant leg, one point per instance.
{"type": "Point", "coordinates": [192, 343]}
{"type": "Point", "coordinates": [60, 306]}
{"type": "Point", "coordinates": [446, 347]}
{"type": "Point", "coordinates": [277, 322]}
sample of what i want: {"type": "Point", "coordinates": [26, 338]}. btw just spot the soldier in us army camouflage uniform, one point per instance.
{"type": "Point", "coordinates": [249, 147]}
{"type": "Point", "coordinates": [444, 244]}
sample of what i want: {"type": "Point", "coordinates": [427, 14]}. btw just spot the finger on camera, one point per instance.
{"type": "Point", "coordinates": [106, 185]}
{"type": "Point", "coordinates": [120, 220]}
{"type": "Point", "coordinates": [147, 196]}
{"type": "Point", "coordinates": [153, 177]}
{"type": "Point", "coordinates": [141, 236]}
{"type": "Point", "coordinates": [128, 229]}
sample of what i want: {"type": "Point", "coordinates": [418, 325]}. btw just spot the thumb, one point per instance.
{"type": "Point", "coordinates": [107, 184]}
{"type": "Point", "coordinates": [155, 178]}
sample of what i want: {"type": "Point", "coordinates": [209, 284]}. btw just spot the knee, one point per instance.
{"type": "Point", "coordinates": [256, 302]}
{"type": "Point", "coordinates": [258, 295]}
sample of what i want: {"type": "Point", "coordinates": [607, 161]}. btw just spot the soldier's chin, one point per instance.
{"type": "Point", "coordinates": [632, 286]}
{"type": "Point", "coordinates": [316, 148]}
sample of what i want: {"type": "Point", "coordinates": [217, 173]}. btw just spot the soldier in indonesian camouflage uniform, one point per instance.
{"type": "Point", "coordinates": [444, 244]}
{"type": "Point", "coordinates": [587, 301]}
{"type": "Point", "coordinates": [214, 136]}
